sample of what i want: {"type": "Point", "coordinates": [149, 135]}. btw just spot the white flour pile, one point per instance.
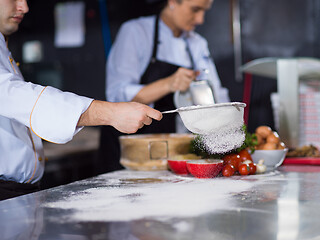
{"type": "Point", "coordinates": [171, 196]}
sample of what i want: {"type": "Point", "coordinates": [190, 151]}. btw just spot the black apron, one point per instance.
{"type": "Point", "coordinates": [109, 141]}
{"type": "Point", "coordinates": [10, 189]}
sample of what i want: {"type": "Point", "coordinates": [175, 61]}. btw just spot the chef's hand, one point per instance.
{"type": "Point", "coordinates": [127, 117]}
{"type": "Point", "coordinates": [181, 79]}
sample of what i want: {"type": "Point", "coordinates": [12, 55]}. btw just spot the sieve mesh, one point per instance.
{"type": "Point", "coordinates": [211, 118]}
{"type": "Point", "coordinates": [219, 125]}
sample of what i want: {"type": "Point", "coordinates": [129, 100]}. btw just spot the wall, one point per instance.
{"type": "Point", "coordinates": [286, 28]}
{"type": "Point", "coordinates": [82, 69]}
{"type": "Point", "coordinates": [283, 28]}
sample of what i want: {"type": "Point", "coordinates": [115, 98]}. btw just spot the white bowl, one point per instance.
{"type": "Point", "coordinates": [272, 158]}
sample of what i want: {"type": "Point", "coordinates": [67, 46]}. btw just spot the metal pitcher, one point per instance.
{"type": "Point", "coordinates": [201, 92]}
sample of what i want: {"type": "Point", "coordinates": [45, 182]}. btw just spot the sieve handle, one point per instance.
{"type": "Point", "coordinates": [170, 111]}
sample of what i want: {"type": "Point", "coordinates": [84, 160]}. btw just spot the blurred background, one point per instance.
{"type": "Point", "coordinates": [238, 31]}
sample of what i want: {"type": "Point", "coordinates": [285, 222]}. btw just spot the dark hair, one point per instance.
{"type": "Point", "coordinates": [159, 5]}
{"type": "Point", "coordinates": [156, 5]}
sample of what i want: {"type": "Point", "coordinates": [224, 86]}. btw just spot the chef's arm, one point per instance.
{"type": "Point", "coordinates": [178, 81]}
{"type": "Point", "coordinates": [125, 117]}
{"type": "Point", "coordinates": [153, 91]}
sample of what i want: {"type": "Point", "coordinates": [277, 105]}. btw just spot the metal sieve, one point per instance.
{"type": "Point", "coordinates": [205, 119]}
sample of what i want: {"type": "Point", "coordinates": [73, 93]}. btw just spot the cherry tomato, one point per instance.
{"type": "Point", "coordinates": [228, 170]}
{"type": "Point", "coordinates": [244, 169]}
{"type": "Point", "coordinates": [252, 168]}
{"type": "Point", "coordinates": [232, 159]}
{"type": "Point", "coordinates": [245, 155]}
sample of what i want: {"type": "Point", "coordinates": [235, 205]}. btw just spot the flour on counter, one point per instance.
{"type": "Point", "coordinates": [129, 195]}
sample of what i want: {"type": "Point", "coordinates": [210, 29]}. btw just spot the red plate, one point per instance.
{"type": "Point", "coordinates": [300, 168]}
{"type": "Point", "coordinates": [302, 160]}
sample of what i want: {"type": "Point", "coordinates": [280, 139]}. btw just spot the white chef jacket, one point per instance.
{"type": "Point", "coordinates": [132, 50]}
{"type": "Point", "coordinates": [29, 113]}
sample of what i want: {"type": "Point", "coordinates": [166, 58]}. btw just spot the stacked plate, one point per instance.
{"type": "Point", "coordinates": [309, 111]}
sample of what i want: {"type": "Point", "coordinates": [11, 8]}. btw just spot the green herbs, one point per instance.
{"type": "Point", "coordinates": [250, 141]}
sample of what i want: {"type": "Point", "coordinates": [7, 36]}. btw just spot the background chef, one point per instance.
{"type": "Point", "coordinates": [30, 112]}
{"type": "Point", "coordinates": [151, 58]}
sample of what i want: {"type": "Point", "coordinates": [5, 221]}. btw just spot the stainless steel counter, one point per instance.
{"type": "Point", "coordinates": [84, 141]}
{"type": "Point", "coordinates": [281, 204]}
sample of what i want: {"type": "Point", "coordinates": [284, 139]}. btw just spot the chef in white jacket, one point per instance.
{"type": "Point", "coordinates": [30, 113]}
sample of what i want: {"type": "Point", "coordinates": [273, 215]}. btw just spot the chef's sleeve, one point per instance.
{"type": "Point", "coordinates": [55, 114]}
{"type": "Point", "coordinates": [50, 113]}
{"type": "Point", "coordinates": [124, 63]}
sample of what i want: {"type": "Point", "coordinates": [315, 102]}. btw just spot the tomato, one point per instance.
{"type": "Point", "coordinates": [244, 169]}
{"type": "Point", "coordinates": [228, 170]}
{"type": "Point", "coordinates": [232, 159]}
{"type": "Point", "coordinates": [252, 168]}
{"type": "Point", "coordinates": [245, 155]}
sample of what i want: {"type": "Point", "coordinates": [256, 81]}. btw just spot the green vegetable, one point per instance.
{"type": "Point", "coordinates": [250, 141]}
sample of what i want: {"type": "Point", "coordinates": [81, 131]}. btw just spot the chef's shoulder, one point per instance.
{"type": "Point", "coordinates": [4, 56]}
{"type": "Point", "coordinates": [3, 46]}
{"type": "Point", "coordinates": [141, 27]}
{"type": "Point", "coordinates": [199, 44]}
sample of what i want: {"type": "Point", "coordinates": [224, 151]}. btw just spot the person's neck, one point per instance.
{"type": "Point", "coordinates": [166, 17]}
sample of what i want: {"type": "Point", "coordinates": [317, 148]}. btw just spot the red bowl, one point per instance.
{"type": "Point", "coordinates": [205, 168]}
{"type": "Point", "coordinates": [178, 166]}
{"type": "Point", "coordinates": [178, 163]}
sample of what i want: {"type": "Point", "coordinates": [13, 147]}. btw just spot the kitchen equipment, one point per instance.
{"type": "Point", "coordinates": [205, 168]}
{"type": "Point", "coordinates": [236, 38]}
{"type": "Point", "coordinates": [272, 158]}
{"type": "Point", "coordinates": [302, 161]}
{"type": "Point", "coordinates": [182, 99]}
{"type": "Point", "coordinates": [209, 118]}
{"type": "Point", "coordinates": [148, 152]}
{"type": "Point", "coordinates": [178, 166]}
{"type": "Point", "coordinates": [294, 104]}
{"type": "Point", "coordinates": [178, 163]}
{"type": "Point", "coordinates": [200, 92]}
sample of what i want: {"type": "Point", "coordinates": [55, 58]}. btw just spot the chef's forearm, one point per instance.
{"type": "Point", "coordinates": [153, 91]}
{"type": "Point", "coordinates": [98, 113]}
{"type": "Point", "coordinates": [127, 117]}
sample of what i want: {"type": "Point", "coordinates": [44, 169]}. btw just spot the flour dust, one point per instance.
{"type": "Point", "coordinates": [223, 140]}
{"type": "Point", "coordinates": [220, 128]}
{"type": "Point", "coordinates": [173, 197]}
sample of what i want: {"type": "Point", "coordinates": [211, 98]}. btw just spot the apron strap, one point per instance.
{"type": "Point", "coordinates": [155, 39]}
{"type": "Point", "coordinates": [193, 66]}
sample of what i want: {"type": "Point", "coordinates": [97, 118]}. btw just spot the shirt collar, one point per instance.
{"type": "Point", "coordinates": [2, 38]}
{"type": "Point", "coordinates": [168, 30]}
